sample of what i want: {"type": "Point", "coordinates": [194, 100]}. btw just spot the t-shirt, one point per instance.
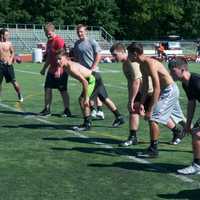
{"type": "Point", "coordinates": [193, 88]}
{"type": "Point", "coordinates": [52, 47]}
{"type": "Point", "coordinates": [85, 52]}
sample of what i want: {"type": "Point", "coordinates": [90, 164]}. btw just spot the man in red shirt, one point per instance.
{"type": "Point", "coordinates": [56, 77]}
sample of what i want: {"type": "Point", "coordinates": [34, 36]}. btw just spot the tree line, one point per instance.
{"type": "Point", "coordinates": [124, 19]}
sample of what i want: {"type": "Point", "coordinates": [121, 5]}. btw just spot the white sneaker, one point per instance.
{"type": "Point", "coordinates": [191, 170]}
{"type": "Point", "coordinates": [100, 115]}
{"type": "Point", "coordinates": [94, 114]}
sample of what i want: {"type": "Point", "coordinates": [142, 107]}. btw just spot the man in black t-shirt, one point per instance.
{"type": "Point", "coordinates": [191, 84]}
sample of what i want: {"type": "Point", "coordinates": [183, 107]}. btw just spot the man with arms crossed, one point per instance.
{"type": "Point", "coordinates": [191, 84]}
{"type": "Point", "coordinates": [164, 105]}
{"type": "Point", "coordinates": [92, 87]}
{"type": "Point", "coordinates": [6, 60]}
{"type": "Point", "coordinates": [87, 53]}
{"type": "Point", "coordinates": [57, 77]}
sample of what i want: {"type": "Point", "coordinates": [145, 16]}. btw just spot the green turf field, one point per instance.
{"type": "Point", "coordinates": [41, 159]}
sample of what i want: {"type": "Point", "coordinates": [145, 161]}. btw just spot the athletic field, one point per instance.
{"type": "Point", "coordinates": [42, 159]}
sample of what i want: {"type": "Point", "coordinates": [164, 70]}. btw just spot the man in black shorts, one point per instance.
{"type": "Point", "coordinates": [6, 60]}
{"type": "Point", "coordinates": [191, 84]}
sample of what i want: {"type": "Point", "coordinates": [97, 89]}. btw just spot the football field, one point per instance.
{"type": "Point", "coordinates": [41, 158]}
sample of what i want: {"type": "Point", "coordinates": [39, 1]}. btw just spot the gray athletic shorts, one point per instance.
{"type": "Point", "coordinates": [168, 106]}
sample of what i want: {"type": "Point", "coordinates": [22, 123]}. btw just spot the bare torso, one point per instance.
{"type": "Point", "coordinates": [6, 51]}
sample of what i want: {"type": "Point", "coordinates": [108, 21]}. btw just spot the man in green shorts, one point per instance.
{"type": "Point", "coordinates": [92, 86]}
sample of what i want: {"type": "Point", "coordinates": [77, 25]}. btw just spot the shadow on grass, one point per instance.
{"type": "Point", "coordinates": [149, 167]}
{"type": "Point", "coordinates": [18, 113]}
{"type": "Point", "coordinates": [184, 194]}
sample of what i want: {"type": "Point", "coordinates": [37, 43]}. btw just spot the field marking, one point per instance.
{"type": "Point", "coordinates": [138, 160]}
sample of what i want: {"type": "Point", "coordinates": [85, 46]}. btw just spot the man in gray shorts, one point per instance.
{"type": "Point", "coordinates": [87, 52]}
{"type": "Point", "coordinates": [164, 105]}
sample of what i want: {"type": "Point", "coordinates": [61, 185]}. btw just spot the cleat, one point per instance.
{"type": "Point", "coordinates": [129, 142]}
{"type": "Point", "coordinates": [177, 137]}
{"type": "Point", "coordinates": [20, 98]}
{"type": "Point", "coordinates": [149, 153]}
{"type": "Point", "coordinates": [83, 127]}
{"type": "Point", "coordinates": [45, 112]}
{"type": "Point", "coordinates": [67, 113]}
{"type": "Point", "coordinates": [100, 115]}
{"type": "Point", "coordinates": [191, 170]}
{"type": "Point", "coordinates": [93, 114]}
{"type": "Point", "coordinates": [118, 121]}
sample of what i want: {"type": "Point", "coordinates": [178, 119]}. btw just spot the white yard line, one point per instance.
{"type": "Point", "coordinates": [78, 134]}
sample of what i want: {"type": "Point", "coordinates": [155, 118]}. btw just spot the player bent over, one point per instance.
{"type": "Point", "coordinates": [92, 87]}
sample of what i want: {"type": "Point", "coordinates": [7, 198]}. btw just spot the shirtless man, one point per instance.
{"type": "Point", "coordinates": [92, 86]}
{"type": "Point", "coordinates": [133, 75]}
{"type": "Point", "coordinates": [6, 60]}
{"type": "Point", "coordinates": [164, 105]}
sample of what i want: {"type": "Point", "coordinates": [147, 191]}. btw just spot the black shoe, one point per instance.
{"type": "Point", "coordinates": [82, 127]}
{"type": "Point", "coordinates": [67, 113]}
{"type": "Point", "coordinates": [177, 137]}
{"type": "Point", "coordinates": [45, 112]}
{"type": "Point", "coordinates": [118, 121]}
{"type": "Point", "coordinates": [129, 142]}
{"type": "Point", "coordinates": [149, 153]}
{"type": "Point", "coordinates": [20, 98]}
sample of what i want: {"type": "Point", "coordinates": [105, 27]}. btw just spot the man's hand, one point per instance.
{"type": "Point", "coordinates": [86, 102]}
{"type": "Point", "coordinates": [42, 72]}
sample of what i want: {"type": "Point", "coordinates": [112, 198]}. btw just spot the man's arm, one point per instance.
{"type": "Point", "coordinates": [45, 66]}
{"type": "Point", "coordinates": [96, 61]}
{"type": "Point", "coordinates": [12, 54]}
{"type": "Point", "coordinates": [190, 113]}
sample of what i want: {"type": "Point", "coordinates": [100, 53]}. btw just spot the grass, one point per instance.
{"type": "Point", "coordinates": [41, 159]}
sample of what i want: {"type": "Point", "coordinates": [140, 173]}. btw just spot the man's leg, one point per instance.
{"type": "Point", "coordinates": [47, 102]}
{"type": "Point", "coordinates": [99, 114]}
{"type": "Point", "coordinates": [66, 103]}
{"type": "Point", "coordinates": [17, 89]}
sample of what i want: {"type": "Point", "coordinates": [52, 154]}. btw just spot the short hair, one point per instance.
{"type": "Point", "coordinates": [62, 52]}
{"type": "Point", "coordinates": [135, 47]}
{"type": "Point", "coordinates": [2, 31]}
{"type": "Point", "coordinates": [49, 26]}
{"type": "Point", "coordinates": [118, 47]}
{"type": "Point", "coordinates": [178, 62]}
{"type": "Point", "coordinates": [79, 26]}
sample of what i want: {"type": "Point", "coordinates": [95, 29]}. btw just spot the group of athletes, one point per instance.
{"type": "Point", "coordinates": [152, 91]}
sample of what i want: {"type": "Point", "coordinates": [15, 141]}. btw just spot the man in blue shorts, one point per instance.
{"type": "Point", "coordinates": [191, 85]}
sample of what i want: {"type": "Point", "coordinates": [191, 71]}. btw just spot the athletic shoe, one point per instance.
{"type": "Point", "coordinates": [118, 121]}
{"type": "Point", "coordinates": [177, 137]}
{"type": "Point", "coordinates": [67, 113]}
{"type": "Point", "coordinates": [93, 114]}
{"type": "Point", "coordinates": [20, 97]}
{"type": "Point", "coordinates": [131, 141]}
{"type": "Point", "coordinates": [191, 170]}
{"type": "Point", "coordinates": [149, 153]}
{"type": "Point", "coordinates": [45, 112]}
{"type": "Point", "coordinates": [100, 114]}
{"type": "Point", "coordinates": [82, 127]}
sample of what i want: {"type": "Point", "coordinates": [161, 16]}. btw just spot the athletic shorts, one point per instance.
{"type": "Point", "coordinates": [6, 71]}
{"type": "Point", "coordinates": [168, 106]}
{"type": "Point", "coordinates": [56, 83]}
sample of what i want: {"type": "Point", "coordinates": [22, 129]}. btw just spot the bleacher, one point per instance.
{"type": "Point", "coordinates": [27, 37]}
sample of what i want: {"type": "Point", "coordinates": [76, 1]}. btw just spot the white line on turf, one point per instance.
{"type": "Point", "coordinates": [142, 161]}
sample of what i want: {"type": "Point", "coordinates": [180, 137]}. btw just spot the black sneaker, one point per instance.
{"type": "Point", "coordinates": [45, 112]}
{"type": "Point", "coordinates": [82, 127]}
{"type": "Point", "coordinates": [20, 98]}
{"type": "Point", "coordinates": [118, 121]}
{"type": "Point", "coordinates": [177, 137]}
{"type": "Point", "coordinates": [149, 153]}
{"type": "Point", "coordinates": [67, 113]}
{"type": "Point", "coordinates": [130, 141]}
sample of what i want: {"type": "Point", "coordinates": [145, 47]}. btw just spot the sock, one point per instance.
{"type": "Point", "coordinates": [197, 161]}
{"type": "Point", "coordinates": [99, 108]}
{"type": "Point", "coordinates": [116, 113]}
{"type": "Point", "coordinates": [175, 130]}
{"type": "Point", "coordinates": [154, 144]}
{"type": "Point", "coordinates": [133, 133]}
{"type": "Point", "coordinates": [87, 120]}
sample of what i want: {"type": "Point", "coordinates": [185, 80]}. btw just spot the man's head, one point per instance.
{"type": "Point", "coordinates": [81, 31]}
{"type": "Point", "coordinates": [118, 51]}
{"type": "Point", "coordinates": [4, 34]}
{"type": "Point", "coordinates": [62, 57]}
{"type": "Point", "coordinates": [49, 30]}
{"type": "Point", "coordinates": [135, 50]}
{"type": "Point", "coordinates": [178, 66]}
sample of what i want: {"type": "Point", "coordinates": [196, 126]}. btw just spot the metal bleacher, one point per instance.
{"type": "Point", "coordinates": [26, 37]}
